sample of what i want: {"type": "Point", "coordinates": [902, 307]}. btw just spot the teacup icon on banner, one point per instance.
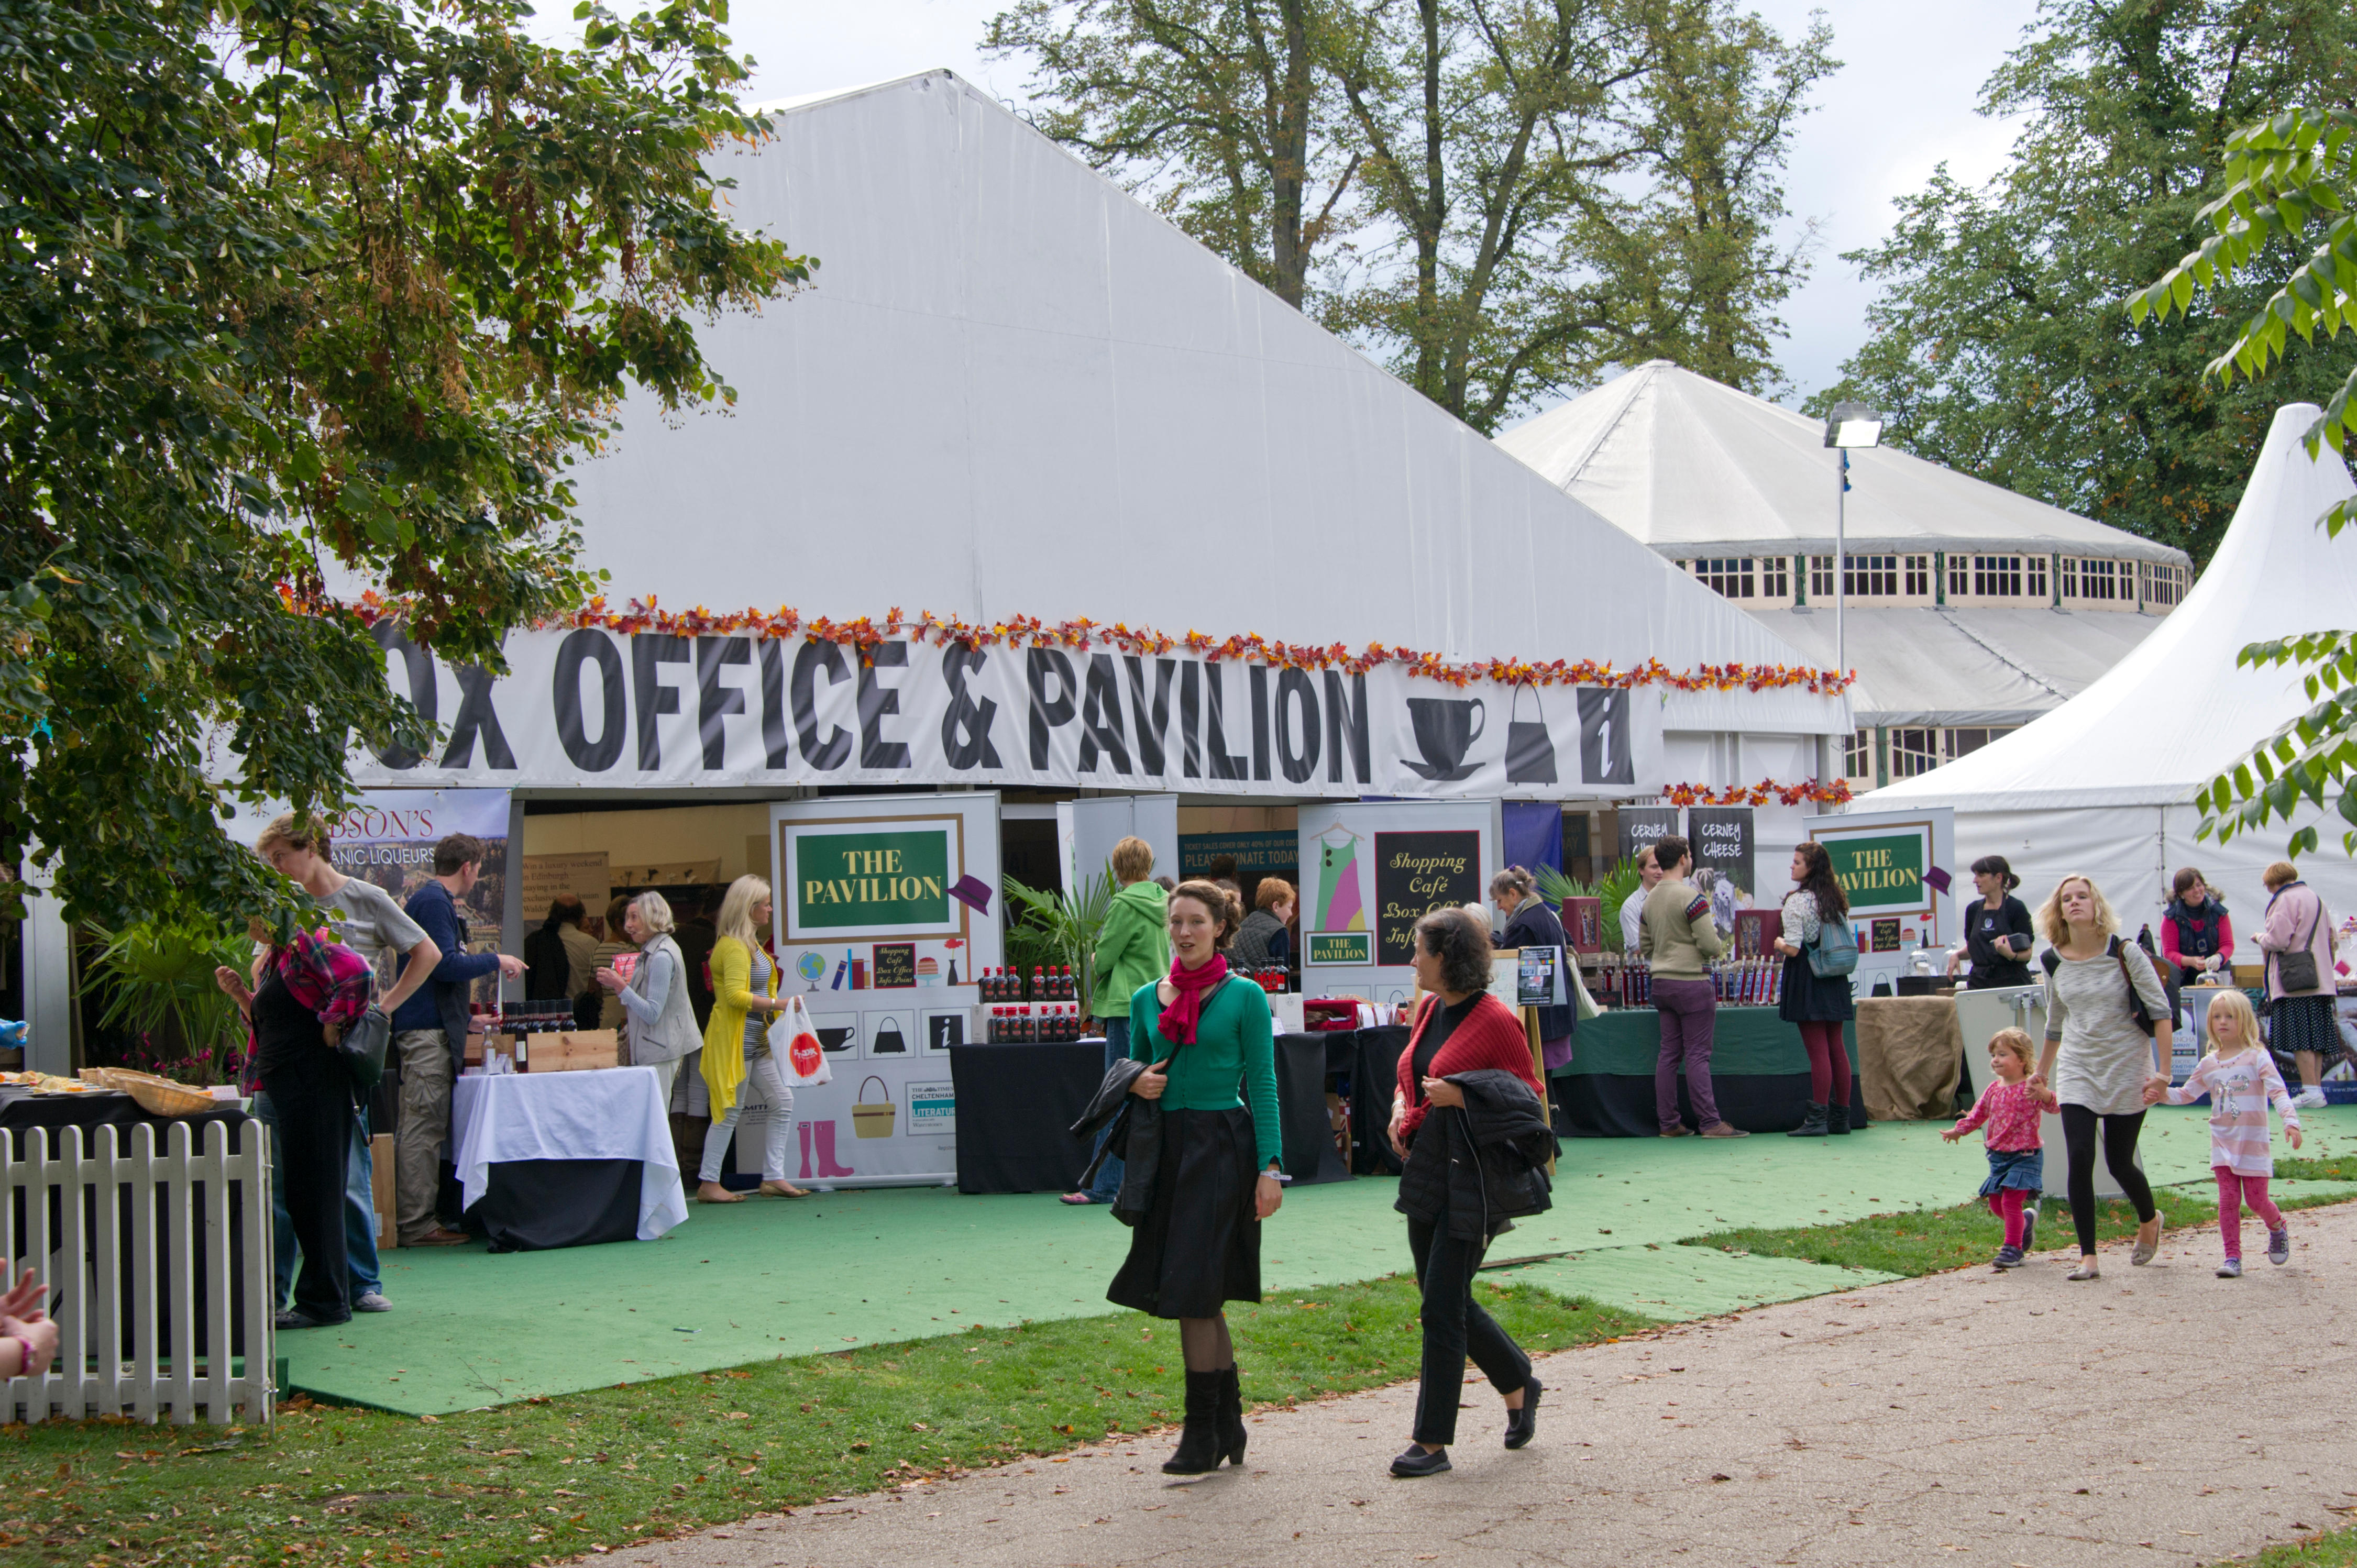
{"type": "Point", "coordinates": [1529, 750]}
{"type": "Point", "coordinates": [1445, 728]}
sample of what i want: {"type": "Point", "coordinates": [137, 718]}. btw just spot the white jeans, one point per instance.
{"type": "Point", "coordinates": [761, 1073]}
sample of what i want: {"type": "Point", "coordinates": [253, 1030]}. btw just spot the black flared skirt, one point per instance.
{"type": "Point", "coordinates": [1198, 1245]}
{"type": "Point", "coordinates": [1806, 999]}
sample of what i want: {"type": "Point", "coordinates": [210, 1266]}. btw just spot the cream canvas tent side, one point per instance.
{"type": "Point", "coordinates": [2105, 783]}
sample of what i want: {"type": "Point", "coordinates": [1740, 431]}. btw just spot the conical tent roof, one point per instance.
{"type": "Point", "coordinates": [2178, 710]}
{"type": "Point", "coordinates": [1014, 389]}
{"type": "Point", "coordinates": [1691, 465]}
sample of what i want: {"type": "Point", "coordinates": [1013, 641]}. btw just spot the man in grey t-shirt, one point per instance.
{"type": "Point", "coordinates": [374, 925]}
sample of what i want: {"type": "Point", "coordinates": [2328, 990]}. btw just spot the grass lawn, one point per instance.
{"type": "Point", "coordinates": [1926, 1241]}
{"type": "Point", "coordinates": [560, 1478]}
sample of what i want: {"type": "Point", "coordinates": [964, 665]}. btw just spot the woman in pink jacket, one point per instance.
{"type": "Point", "coordinates": [2300, 1004]}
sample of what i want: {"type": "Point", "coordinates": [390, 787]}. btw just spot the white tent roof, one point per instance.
{"type": "Point", "coordinates": [1985, 665]}
{"type": "Point", "coordinates": [1014, 389]}
{"type": "Point", "coordinates": [1690, 465]}
{"type": "Point", "coordinates": [2176, 710]}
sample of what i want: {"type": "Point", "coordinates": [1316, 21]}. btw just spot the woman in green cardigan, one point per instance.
{"type": "Point", "coordinates": [1197, 1244]}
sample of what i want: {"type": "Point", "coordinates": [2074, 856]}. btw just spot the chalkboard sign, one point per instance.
{"type": "Point", "coordinates": [1722, 841]}
{"type": "Point", "coordinates": [1641, 825]}
{"type": "Point", "coordinates": [1415, 874]}
{"type": "Point", "coordinates": [895, 966]}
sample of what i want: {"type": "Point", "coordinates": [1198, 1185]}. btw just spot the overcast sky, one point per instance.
{"type": "Point", "coordinates": [1903, 103]}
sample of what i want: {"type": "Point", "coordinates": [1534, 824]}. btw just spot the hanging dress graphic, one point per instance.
{"type": "Point", "coordinates": [1340, 907]}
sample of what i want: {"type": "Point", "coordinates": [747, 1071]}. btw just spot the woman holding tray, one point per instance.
{"type": "Point", "coordinates": [1211, 1179]}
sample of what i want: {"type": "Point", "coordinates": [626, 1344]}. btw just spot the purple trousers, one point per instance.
{"type": "Point", "coordinates": [1689, 1011]}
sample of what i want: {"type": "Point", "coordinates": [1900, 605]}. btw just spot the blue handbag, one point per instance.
{"type": "Point", "coordinates": [1834, 953]}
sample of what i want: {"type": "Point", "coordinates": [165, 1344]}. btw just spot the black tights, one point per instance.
{"type": "Point", "coordinates": [2119, 1154]}
{"type": "Point", "coordinates": [1204, 1342]}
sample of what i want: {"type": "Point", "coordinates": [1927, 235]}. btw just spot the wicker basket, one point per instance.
{"type": "Point", "coordinates": [156, 1096]}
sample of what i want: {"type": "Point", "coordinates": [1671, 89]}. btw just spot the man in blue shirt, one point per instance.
{"type": "Point", "coordinates": [429, 1033]}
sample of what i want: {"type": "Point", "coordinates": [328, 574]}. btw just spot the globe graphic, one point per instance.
{"type": "Point", "coordinates": [811, 967]}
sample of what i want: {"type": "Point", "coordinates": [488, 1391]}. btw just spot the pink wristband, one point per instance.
{"type": "Point", "coordinates": [25, 1356]}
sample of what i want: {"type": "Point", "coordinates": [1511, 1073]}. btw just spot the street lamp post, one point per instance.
{"type": "Point", "coordinates": [1852, 424]}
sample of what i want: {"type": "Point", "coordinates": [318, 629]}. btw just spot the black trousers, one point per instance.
{"type": "Point", "coordinates": [1453, 1326]}
{"type": "Point", "coordinates": [2119, 1153]}
{"type": "Point", "coordinates": [312, 1095]}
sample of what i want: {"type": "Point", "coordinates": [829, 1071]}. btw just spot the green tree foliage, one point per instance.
{"type": "Point", "coordinates": [2291, 178]}
{"type": "Point", "coordinates": [301, 294]}
{"type": "Point", "coordinates": [1998, 346]}
{"type": "Point", "coordinates": [1498, 198]}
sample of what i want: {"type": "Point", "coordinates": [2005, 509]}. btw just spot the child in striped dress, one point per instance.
{"type": "Point", "coordinates": [2240, 1081]}
{"type": "Point", "coordinates": [2009, 1107]}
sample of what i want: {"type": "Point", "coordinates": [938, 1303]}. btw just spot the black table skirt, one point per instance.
{"type": "Point", "coordinates": [537, 1205]}
{"type": "Point", "coordinates": [1015, 1104]}
{"type": "Point", "coordinates": [1374, 1083]}
{"type": "Point", "coordinates": [1621, 1105]}
{"type": "Point", "coordinates": [1304, 1063]}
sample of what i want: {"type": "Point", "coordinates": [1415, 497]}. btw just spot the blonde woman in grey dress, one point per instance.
{"type": "Point", "coordinates": [2098, 1059]}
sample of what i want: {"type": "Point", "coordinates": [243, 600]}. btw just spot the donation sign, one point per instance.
{"type": "Point", "coordinates": [589, 706]}
{"type": "Point", "coordinates": [1416, 873]}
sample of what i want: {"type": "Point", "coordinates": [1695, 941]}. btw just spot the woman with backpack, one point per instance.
{"type": "Point", "coordinates": [1818, 1004]}
{"type": "Point", "coordinates": [2107, 1040]}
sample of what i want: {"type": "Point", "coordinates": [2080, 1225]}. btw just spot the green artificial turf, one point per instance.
{"type": "Point", "coordinates": [556, 1478]}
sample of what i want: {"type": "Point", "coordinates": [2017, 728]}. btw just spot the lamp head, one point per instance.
{"type": "Point", "coordinates": [1854, 425]}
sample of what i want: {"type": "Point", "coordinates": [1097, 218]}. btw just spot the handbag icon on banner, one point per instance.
{"type": "Point", "coordinates": [1529, 750]}
{"type": "Point", "coordinates": [887, 1040]}
{"type": "Point", "coordinates": [873, 1118]}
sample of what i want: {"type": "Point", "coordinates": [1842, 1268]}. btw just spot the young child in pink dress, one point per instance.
{"type": "Point", "coordinates": [2242, 1081]}
{"type": "Point", "coordinates": [2008, 1107]}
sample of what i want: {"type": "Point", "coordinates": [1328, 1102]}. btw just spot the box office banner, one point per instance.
{"type": "Point", "coordinates": [869, 934]}
{"type": "Point", "coordinates": [594, 708]}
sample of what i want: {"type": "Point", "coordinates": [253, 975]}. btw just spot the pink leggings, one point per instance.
{"type": "Point", "coordinates": [2233, 1191]}
{"type": "Point", "coordinates": [2006, 1203]}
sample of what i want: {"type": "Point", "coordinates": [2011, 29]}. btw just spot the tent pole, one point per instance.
{"type": "Point", "coordinates": [1841, 502]}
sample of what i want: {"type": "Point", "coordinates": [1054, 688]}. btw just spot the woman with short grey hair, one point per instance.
{"type": "Point", "coordinates": [662, 1029]}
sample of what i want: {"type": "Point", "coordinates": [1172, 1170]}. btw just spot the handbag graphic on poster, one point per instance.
{"type": "Point", "coordinates": [887, 1040]}
{"type": "Point", "coordinates": [873, 1118]}
{"type": "Point", "coordinates": [1529, 750]}
{"type": "Point", "coordinates": [794, 1043]}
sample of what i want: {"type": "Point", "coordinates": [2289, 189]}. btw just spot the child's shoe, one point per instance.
{"type": "Point", "coordinates": [2232, 1269]}
{"type": "Point", "coordinates": [2279, 1246]}
{"type": "Point", "coordinates": [2029, 1229]}
{"type": "Point", "coordinates": [2007, 1258]}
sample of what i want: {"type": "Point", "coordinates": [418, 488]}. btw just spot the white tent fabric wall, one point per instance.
{"type": "Point", "coordinates": [2105, 783]}
{"type": "Point", "coordinates": [1014, 390]}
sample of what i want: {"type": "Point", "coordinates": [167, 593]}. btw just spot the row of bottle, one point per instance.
{"type": "Point", "coordinates": [1274, 979]}
{"type": "Point", "coordinates": [538, 1017]}
{"type": "Point", "coordinates": [1028, 1023]}
{"type": "Point", "coordinates": [1748, 981]}
{"type": "Point", "coordinates": [1047, 984]}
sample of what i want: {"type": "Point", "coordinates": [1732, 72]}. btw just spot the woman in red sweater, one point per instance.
{"type": "Point", "coordinates": [1462, 1028]}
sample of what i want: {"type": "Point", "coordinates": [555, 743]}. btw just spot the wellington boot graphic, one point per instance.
{"type": "Point", "coordinates": [827, 1167]}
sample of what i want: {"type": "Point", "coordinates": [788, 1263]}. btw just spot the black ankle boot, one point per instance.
{"type": "Point", "coordinates": [1232, 1433]}
{"type": "Point", "coordinates": [1199, 1443]}
{"type": "Point", "coordinates": [1813, 1125]}
{"type": "Point", "coordinates": [1837, 1121]}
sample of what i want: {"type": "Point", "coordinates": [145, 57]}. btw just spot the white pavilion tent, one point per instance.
{"type": "Point", "coordinates": [2104, 784]}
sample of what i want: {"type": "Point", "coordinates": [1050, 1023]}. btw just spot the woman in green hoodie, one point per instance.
{"type": "Point", "coordinates": [1134, 948]}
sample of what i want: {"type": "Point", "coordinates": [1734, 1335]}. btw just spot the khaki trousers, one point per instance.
{"type": "Point", "coordinates": [425, 1126]}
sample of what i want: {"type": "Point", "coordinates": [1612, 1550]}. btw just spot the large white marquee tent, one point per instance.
{"type": "Point", "coordinates": [2104, 784]}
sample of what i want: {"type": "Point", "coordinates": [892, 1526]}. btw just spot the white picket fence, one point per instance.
{"type": "Point", "coordinates": [91, 1260]}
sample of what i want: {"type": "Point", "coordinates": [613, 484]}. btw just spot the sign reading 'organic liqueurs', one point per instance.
{"type": "Point", "coordinates": [1415, 874]}
{"type": "Point", "coordinates": [1881, 871]}
{"type": "Point", "coordinates": [871, 881]}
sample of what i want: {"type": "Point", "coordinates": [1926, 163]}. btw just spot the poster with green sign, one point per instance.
{"type": "Point", "coordinates": [1340, 947]}
{"type": "Point", "coordinates": [872, 877]}
{"type": "Point", "coordinates": [1882, 870]}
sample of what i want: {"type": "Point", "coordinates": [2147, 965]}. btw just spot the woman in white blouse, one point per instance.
{"type": "Point", "coordinates": [2100, 1056]}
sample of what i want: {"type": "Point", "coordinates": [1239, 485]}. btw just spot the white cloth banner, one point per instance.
{"type": "Point", "coordinates": [613, 1114]}
{"type": "Point", "coordinates": [597, 707]}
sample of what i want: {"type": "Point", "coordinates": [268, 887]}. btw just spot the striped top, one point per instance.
{"type": "Point", "coordinates": [2240, 1088]}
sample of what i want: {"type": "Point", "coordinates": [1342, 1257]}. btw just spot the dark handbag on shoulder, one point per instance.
{"type": "Point", "coordinates": [361, 1045]}
{"type": "Point", "coordinates": [2297, 968]}
{"type": "Point", "coordinates": [2137, 1008]}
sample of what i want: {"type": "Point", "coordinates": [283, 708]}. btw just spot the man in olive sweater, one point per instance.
{"type": "Point", "coordinates": [1676, 937]}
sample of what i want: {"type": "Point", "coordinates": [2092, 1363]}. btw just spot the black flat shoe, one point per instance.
{"type": "Point", "coordinates": [1420, 1461]}
{"type": "Point", "coordinates": [1523, 1425]}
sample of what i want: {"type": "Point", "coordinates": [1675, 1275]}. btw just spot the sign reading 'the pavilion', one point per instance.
{"type": "Point", "coordinates": [873, 877]}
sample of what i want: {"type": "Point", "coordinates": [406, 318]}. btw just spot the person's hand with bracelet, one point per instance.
{"type": "Point", "coordinates": [1268, 1193]}
{"type": "Point", "coordinates": [27, 1336]}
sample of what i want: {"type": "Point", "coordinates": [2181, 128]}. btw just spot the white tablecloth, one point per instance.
{"type": "Point", "coordinates": [613, 1114]}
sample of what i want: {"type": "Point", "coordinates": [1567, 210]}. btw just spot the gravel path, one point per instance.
{"type": "Point", "coordinates": [2158, 1416]}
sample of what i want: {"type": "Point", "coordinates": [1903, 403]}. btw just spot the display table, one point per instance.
{"type": "Point", "coordinates": [1015, 1105]}
{"type": "Point", "coordinates": [1374, 1084]}
{"type": "Point", "coordinates": [1304, 1063]}
{"type": "Point", "coordinates": [1909, 1053]}
{"type": "Point", "coordinates": [1760, 1074]}
{"type": "Point", "coordinates": [21, 1110]}
{"type": "Point", "coordinates": [565, 1159]}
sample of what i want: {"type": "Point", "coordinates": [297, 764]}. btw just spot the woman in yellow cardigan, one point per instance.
{"type": "Point", "coordinates": [737, 1043]}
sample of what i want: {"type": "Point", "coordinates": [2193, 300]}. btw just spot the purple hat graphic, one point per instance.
{"type": "Point", "coordinates": [973, 893]}
{"type": "Point", "coordinates": [1937, 879]}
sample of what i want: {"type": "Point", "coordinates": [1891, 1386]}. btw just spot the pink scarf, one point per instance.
{"type": "Point", "coordinates": [1194, 987]}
